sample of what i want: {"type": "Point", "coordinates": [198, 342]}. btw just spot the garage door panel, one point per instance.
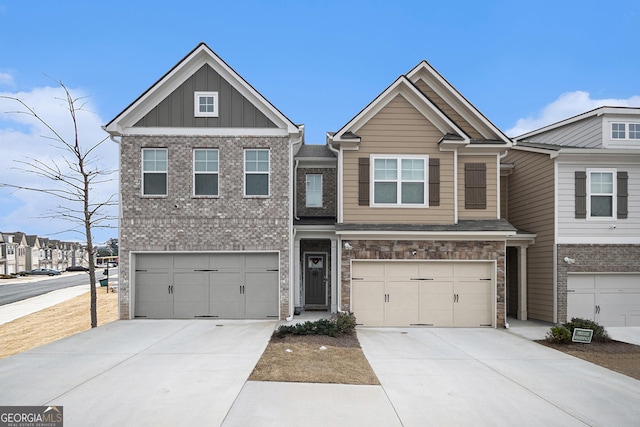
{"type": "Point", "coordinates": [437, 270]}
{"type": "Point", "coordinates": [153, 299]}
{"type": "Point", "coordinates": [367, 270]}
{"type": "Point", "coordinates": [368, 302]}
{"type": "Point", "coordinates": [436, 303]}
{"type": "Point", "coordinates": [473, 271]}
{"type": "Point", "coordinates": [226, 299]}
{"type": "Point", "coordinates": [402, 269]}
{"type": "Point", "coordinates": [576, 283]}
{"type": "Point", "coordinates": [190, 295]}
{"type": "Point", "coordinates": [261, 297]}
{"type": "Point", "coordinates": [261, 262]}
{"type": "Point", "coordinates": [403, 303]}
{"type": "Point", "coordinates": [581, 305]}
{"type": "Point", "coordinates": [191, 261]}
{"type": "Point", "coordinates": [154, 261]}
{"type": "Point", "coordinates": [226, 262]}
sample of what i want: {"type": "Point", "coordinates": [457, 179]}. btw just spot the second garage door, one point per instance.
{"type": "Point", "coordinates": [397, 293]}
{"type": "Point", "coordinates": [221, 285]}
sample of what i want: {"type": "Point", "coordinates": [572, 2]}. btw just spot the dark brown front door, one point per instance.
{"type": "Point", "coordinates": [315, 289]}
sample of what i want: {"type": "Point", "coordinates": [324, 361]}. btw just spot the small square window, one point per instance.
{"type": "Point", "coordinates": [618, 131]}
{"type": "Point", "coordinates": [206, 104]}
{"type": "Point", "coordinates": [634, 130]}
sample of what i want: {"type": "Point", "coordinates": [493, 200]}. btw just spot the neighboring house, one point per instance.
{"type": "Point", "coordinates": [420, 233]}
{"type": "Point", "coordinates": [22, 247]}
{"type": "Point", "coordinates": [206, 190]}
{"type": "Point", "coordinates": [576, 184]}
{"type": "Point", "coordinates": [9, 253]}
{"type": "Point", "coordinates": [33, 252]}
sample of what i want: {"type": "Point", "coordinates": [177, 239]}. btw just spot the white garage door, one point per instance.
{"type": "Point", "coordinates": [401, 293]}
{"type": "Point", "coordinates": [230, 285]}
{"type": "Point", "coordinates": [608, 299]}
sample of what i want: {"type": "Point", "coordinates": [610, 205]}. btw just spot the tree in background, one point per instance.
{"type": "Point", "coordinates": [71, 179]}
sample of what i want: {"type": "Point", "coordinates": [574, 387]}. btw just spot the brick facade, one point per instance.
{"type": "Point", "coordinates": [181, 222]}
{"type": "Point", "coordinates": [426, 250]}
{"type": "Point", "coordinates": [593, 259]}
{"type": "Point", "coordinates": [329, 191]}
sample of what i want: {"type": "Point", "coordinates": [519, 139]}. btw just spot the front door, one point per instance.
{"type": "Point", "coordinates": [315, 283]}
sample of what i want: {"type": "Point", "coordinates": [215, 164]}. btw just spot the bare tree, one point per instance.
{"type": "Point", "coordinates": [72, 180]}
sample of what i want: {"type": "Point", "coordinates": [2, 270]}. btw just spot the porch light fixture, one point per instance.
{"type": "Point", "coordinates": [569, 260]}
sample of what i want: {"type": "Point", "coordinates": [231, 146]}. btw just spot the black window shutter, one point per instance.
{"type": "Point", "coordinates": [581, 194]}
{"type": "Point", "coordinates": [363, 181]}
{"type": "Point", "coordinates": [623, 207]}
{"type": "Point", "coordinates": [475, 183]}
{"type": "Point", "coordinates": [434, 182]}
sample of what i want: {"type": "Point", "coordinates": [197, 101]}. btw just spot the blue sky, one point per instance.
{"type": "Point", "coordinates": [522, 64]}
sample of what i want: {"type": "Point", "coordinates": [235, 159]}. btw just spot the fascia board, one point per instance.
{"type": "Point", "coordinates": [171, 81]}
{"type": "Point", "coordinates": [186, 131]}
{"type": "Point", "coordinates": [454, 98]}
{"type": "Point", "coordinates": [405, 88]}
{"type": "Point", "coordinates": [425, 235]}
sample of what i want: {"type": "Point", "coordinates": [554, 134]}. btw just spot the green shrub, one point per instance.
{"type": "Point", "coordinates": [599, 333]}
{"type": "Point", "coordinates": [336, 326]}
{"type": "Point", "coordinates": [559, 335]}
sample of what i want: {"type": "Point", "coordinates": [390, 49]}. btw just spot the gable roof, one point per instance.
{"type": "Point", "coordinates": [438, 101]}
{"type": "Point", "coordinates": [402, 86]}
{"type": "Point", "coordinates": [194, 60]}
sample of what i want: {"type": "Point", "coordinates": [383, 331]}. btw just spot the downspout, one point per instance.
{"type": "Point", "coordinates": [338, 261]}
{"type": "Point", "coordinates": [292, 236]}
{"type": "Point", "coordinates": [295, 190]}
{"type": "Point", "coordinates": [113, 138]}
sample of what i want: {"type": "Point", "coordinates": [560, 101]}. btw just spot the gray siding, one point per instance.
{"type": "Point", "coordinates": [531, 208]}
{"type": "Point", "coordinates": [584, 133]}
{"type": "Point", "coordinates": [177, 110]}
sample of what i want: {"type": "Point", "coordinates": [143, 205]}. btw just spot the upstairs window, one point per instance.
{"type": "Point", "coordinates": [206, 104]}
{"type": "Point", "coordinates": [205, 172]}
{"type": "Point", "coordinates": [399, 181]}
{"type": "Point", "coordinates": [625, 130]}
{"type": "Point", "coordinates": [314, 191]}
{"type": "Point", "coordinates": [634, 130]}
{"type": "Point", "coordinates": [256, 172]}
{"type": "Point", "coordinates": [601, 198]}
{"type": "Point", "coordinates": [154, 171]}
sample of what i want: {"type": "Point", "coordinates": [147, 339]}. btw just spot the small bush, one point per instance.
{"type": "Point", "coordinates": [599, 333]}
{"type": "Point", "coordinates": [559, 335]}
{"type": "Point", "coordinates": [336, 326]}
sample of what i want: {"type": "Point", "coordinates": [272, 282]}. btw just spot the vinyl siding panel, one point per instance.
{"type": "Point", "coordinates": [446, 109]}
{"type": "Point", "coordinates": [569, 226]}
{"type": "Point", "coordinates": [398, 129]}
{"type": "Point", "coordinates": [531, 208]}
{"type": "Point", "coordinates": [177, 109]}
{"type": "Point", "coordinates": [492, 189]}
{"type": "Point", "coordinates": [585, 133]}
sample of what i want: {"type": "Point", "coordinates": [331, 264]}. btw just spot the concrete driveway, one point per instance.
{"type": "Point", "coordinates": [489, 377]}
{"type": "Point", "coordinates": [139, 372]}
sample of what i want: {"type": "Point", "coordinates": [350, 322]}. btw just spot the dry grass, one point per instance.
{"type": "Point", "coordinates": [56, 322]}
{"type": "Point", "coordinates": [315, 359]}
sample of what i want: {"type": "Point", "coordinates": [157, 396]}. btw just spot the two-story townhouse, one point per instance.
{"type": "Point", "coordinates": [9, 253]}
{"type": "Point", "coordinates": [22, 247]}
{"type": "Point", "coordinates": [206, 190]}
{"type": "Point", "coordinates": [420, 234]}
{"type": "Point", "coordinates": [576, 184]}
{"type": "Point", "coordinates": [33, 252]}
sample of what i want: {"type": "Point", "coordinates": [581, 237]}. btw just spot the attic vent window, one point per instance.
{"type": "Point", "coordinates": [206, 104]}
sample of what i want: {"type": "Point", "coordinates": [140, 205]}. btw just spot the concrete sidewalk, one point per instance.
{"type": "Point", "coordinates": [15, 310]}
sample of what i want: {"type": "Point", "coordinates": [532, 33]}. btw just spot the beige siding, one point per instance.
{"type": "Point", "coordinates": [491, 211]}
{"type": "Point", "coordinates": [398, 129]}
{"type": "Point", "coordinates": [531, 208]}
{"type": "Point", "coordinates": [446, 109]}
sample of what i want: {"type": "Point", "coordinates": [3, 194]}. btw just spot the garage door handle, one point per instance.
{"type": "Point", "coordinates": [205, 270]}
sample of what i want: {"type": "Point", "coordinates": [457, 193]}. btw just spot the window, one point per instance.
{"type": "Point", "coordinates": [256, 172]}
{"type": "Point", "coordinates": [205, 172]}
{"type": "Point", "coordinates": [154, 171]}
{"type": "Point", "coordinates": [618, 131]}
{"type": "Point", "coordinates": [399, 180]}
{"type": "Point", "coordinates": [314, 191]}
{"type": "Point", "coordinates": [634, 130]}
{"type": "Point", "coordinates": [601, 199]}
{"type": "Point", "coordinates": [206, 104]}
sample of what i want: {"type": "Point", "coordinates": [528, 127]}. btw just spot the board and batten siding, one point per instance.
{"type": "Point", "coordinates": [395, 130]}
{"type": "Point", "coordinates": [599, 231]}
{"type": "Point", "coordinates": [491, 210]}
{"type": "Point", "coordinates": [177, 109]}
{"type": "Point", "coordinates": [531, 208]}
{"type": "Point", "coordinates": [584, 134]}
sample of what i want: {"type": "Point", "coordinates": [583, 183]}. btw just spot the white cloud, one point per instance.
{"type": "Point", "coordinates": [567, 105]}
{"type": "Point", "coordinates": [23, 138]}
{"type": "Point", "coordinates": [6, 79]}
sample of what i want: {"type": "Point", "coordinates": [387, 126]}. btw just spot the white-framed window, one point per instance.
{"type": "Point", "coordinates": [601, 196]}
{"type": "Point", "coordinates": [154, 171]}
{"type": "Point", "coordinates": [205, 104]}
{"type": "Point", "coordinates": [399, 180]}
{"type": "Point", "coordinates": [314, 190]}
{"type": "Point", "coordinates": [625, 130]}
{"type": "Point", "coordinates": [256, 172]}
{"type": "Point", "coordinates": [206, 166]}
